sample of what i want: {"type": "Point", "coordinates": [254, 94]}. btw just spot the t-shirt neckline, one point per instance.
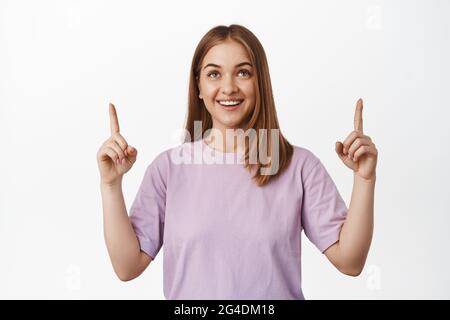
{"type": "Point", "coordinates": [219, 151]}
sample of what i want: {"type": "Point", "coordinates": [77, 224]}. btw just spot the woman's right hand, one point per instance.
{"type": "Point", "coordinates": [115, 157]}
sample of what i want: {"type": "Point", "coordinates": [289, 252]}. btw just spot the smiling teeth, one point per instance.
{"type": "Point", "coordinates": [229, 103]}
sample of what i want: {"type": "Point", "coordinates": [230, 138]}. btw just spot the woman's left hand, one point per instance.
{"type": "Point", "coordinates": [358, 152]}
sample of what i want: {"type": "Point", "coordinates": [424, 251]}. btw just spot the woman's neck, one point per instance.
{"type": "Point", "coordinates": [225, 139]}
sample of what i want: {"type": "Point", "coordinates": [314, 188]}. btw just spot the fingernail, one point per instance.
{"type": "Point", "coordinates": [123, 161]}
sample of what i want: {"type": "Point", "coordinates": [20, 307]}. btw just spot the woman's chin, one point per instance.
{"type": "Point", "coordinates": [231, 120]}
{"type": "Point", "coordinates": [230, 123]}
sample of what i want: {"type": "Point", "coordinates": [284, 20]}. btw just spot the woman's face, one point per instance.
{"type": "Point", "coordinates": [227, 84]}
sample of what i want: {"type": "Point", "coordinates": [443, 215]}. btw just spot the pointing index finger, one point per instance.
{"type": "Point", "coordinates": [358, 122]}
{"type": "Point", "coordinates": [114, 121]}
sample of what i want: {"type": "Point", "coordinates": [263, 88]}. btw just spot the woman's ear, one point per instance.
{"type": "Point", "coordinates": [198, 87]}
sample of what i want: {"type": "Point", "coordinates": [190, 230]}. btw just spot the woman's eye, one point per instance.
{"type": "Point", "coordinates": [212, 74]}
{"type": "Point", "coordinates": [245, 73]}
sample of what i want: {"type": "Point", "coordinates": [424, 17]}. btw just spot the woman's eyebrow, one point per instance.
{"type": "Point", "coordinates": [237, 66]}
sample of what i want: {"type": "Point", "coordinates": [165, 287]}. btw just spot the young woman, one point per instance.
{"type": "Point", "coordinates": [232, 229]}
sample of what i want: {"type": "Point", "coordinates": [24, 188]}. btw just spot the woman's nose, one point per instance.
{"type": "Point", "coordinates": [229, 86]}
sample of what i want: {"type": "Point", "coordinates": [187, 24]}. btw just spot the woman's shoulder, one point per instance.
{"type": "Point", "coordinates": [304, 156]}
{"type": "Point", "coordinates": [174, 155]}
{"type": "Point", "coordinates": [308, 163]}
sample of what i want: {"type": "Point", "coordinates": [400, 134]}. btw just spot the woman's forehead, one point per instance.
{"type": "Point", "coordinates": [227, 53]}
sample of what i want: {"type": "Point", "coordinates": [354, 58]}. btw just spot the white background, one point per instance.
{"type": "Point", "coordinates": [61, 62]}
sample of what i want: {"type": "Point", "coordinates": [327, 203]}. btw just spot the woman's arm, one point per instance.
{"type": "Point", "coordinates": [123, 247]}
{"type": "Point", "coordinates": [349, 254]}
{"type": "Point", "coordinates": [115, 158]}
{"type": "Point", "coordinates": [358, 153]}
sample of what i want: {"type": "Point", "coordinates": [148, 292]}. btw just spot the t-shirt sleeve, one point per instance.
{"type": "Point", "coordinates": [323, 209]}
{"type": "Point", "coordinates": [147, 212]}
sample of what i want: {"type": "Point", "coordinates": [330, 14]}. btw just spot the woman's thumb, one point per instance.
{"type": "Point", "coordinates": [339, 147]}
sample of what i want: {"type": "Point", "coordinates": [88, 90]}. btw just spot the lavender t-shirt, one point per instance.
{"type": "Point", "coordinates": [226, 238]}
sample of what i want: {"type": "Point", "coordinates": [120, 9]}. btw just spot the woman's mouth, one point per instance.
{"type": "Point", "coordinates": [230, 105]}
